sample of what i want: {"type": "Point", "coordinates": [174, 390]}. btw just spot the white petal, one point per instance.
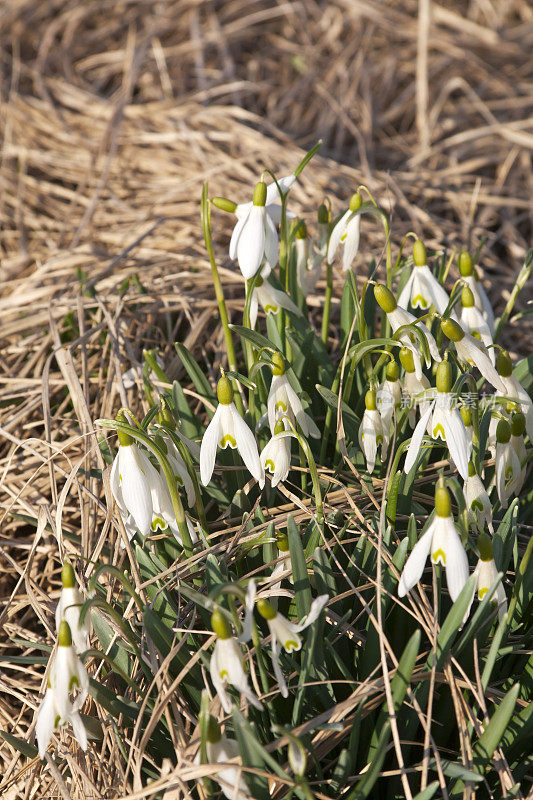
{"type": "Point", "coordinates": [456, 559]}
{"type": "Point", "coordinates": [405, 295]}
{"type": "Point", "coordinates": [432, 344]}
{"type": "Point", "coordinates": [246, 444]}
{"type": "Point", "coordinates": [254, 306]}
{"type": "Point", "coordinates": [351, 244]}
{"type": "Point", "coordinates": [336, 234]}
{"type": "Point", "coordinates": [285, 301]}
{"type": "Point", "coordinates": [477, 352]}
{"type": "Point", "coordinates": [135, 487]}
{"type": "Point", "coordinates": [456, 439]}
{"type": "Point", "coordinates": [208, 448]}
{"type": "Point", "coordinates": [416, 439]}
{"type": "Point", "coordinates": [314, 612]}
{"type": "Point", "coordinates": [249, 603]}
{"type": "Point", "coordinates": [237, 230]}
{"type": "Point", "coordinates": [218, 683]}
{"type": "Point", "coordinates": [46, 716]}
{"type": "Point", "coordinates": [78, 729]}
{"type": "Point", "coordinates": [251, 242]}
{"type": "Point", "coordinates": [438, 295]}
{"type": "Point", "coordinates": [274, 653]}
{"type": "Point", "coordinates": [271, 246]}
{"type": "Point", "coordinates": [414, 566]}
{"type": "Point", "coordinates": [368, 440]}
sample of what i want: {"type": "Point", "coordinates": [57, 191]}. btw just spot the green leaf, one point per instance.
{"type": "Point", "coordinates": [23, 747]}
{"type": "Point", "coordinates": [253, 754]}
{"type": "Point", "coordinates": [350, 420]}
{"type": "Point", "coordinates": [259, 341]}
{"type": "Point", "coordinates": [428, 792]}
{"type": "Point", "coordinates": [453, 623]}
{"type": "Point", "coordinates": [195, 373]}
{"type": "Point", "coordinates": [484, 748]}
{"type": "Point", "coordinates": [366, 784]}
{"type": "Point", "coordinates": [302, 588]}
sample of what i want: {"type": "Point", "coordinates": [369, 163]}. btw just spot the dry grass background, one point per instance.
{"type": "Point", "coordinates": [113, 114]}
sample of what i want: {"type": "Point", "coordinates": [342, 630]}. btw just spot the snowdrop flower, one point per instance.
{"type": "Point", "coordinates": [68, 608]}
{"type": "Point", "coordinates": [164, 516]}
{"type": "Point", "coordinates": [481, 301]}
{"type": "Point", "coordinates": [226, 664]}
{"type": "Point", "coordinates": [472, 351]}
{"type": "Point", "coordinates": [389, 400]}
{"type": "Point", "coordinates": [220, 750]}
{"type": "Point", "coordinates": [371, 431]}
{"type": "Point", "coordinates": [442, 541]}
{"type": "Point", "coordinates": [308, 265]}
{"type": "Point", "coordinates": [284, 564]}
{"type": "Point", "coordinates": [446, 424]}
{"type": "Point", "coordinates": [487, 575]}
{"type": "Point", "coordinates": [270, 299]}
{"type": "Point", "coordinates": [228, 429]}
{"type": "Point", "coordinates": [57, 708]}
{"type": "Point", "coordinates": [276, 455]}
{"type": "Point", "coordinates": [508, 469]}
{"type": "Point", "coordinates": [422, 289]}
{"type": "Point", "coordinates": [514, 390]}
{"type": "Point", "coordinates": [272, 205]}
{"type": "Point", "coordinates": [398, 317]}
{"type": "Point", "coordinates": [133, 480]}
{"type": "Point", "coordinates": [418, 389]}
{"type": "Point", "coordinates": [473, 321]}
{"type": "Point", "coordinates": [477, 501]}
{"type": "Point", "coordinates": [254, 237]}
{"type": "Point", "coordinates": [287, 633]}
{"type": "Point", "coordinates": [346, 232]}
{"type": "Point", "coordinates": [283, 401]}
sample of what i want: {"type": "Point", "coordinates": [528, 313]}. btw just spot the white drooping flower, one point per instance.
{"type": "Point", "coordinates": [283, 564]}
{"type": "Point", "coordinates": [286, 633]}
{"type": "Point", "coordinates": [518, 425]}
{"type": "Point", "coordinates": [481, 301]}
{"type": "Point", "coordinates": [228, 429]}
{"type": "Point", "coordinates": [398, 317]}
{"type": "Point", "coordinates": [227, 664]}
{"type": "Point", "coordinates": [133, 482]}
{"type": "Point", "coordinates": [446, 424]}
{"type": "Point", "coordinates": [477, 501]}
{"type": "Point", "coordinates": [276, 454]}
{"type": "Point", "coordinates": [487, 575]}
{"type": "Point", "coordinates": [474, 323]}
{"type": "Point", "coordinates": [254, 237]}
{"type": "Point", "coordinates": [346, 232]}
{"type": "Point", "coordinates": [308, 262]}
{"type": "Point", "coordinates": [441, 540]}
{"type": "Point", "coordinates": [472, 351]}
{"type": "Point", "coordinates": [283, 401]}
{"type": "Point", "coordinates": [221, 750]}
{"type": "Point", "coordinates": [271, 300]}
{"type": "Point", "coordinates": [272, 201]}
{"type": "Point", "coordinates": [389, 400]}
{"type": "Point", "coordinates": [423, 290]}
{"type": "Point", "coordinates": [58, 708]}
{"type": "Point", "coordinates": [371, 432]}
{"type": "Point", "coordinates": [514, 390]}
{"type": "Point", "coordinates": [418, 390]}
{"type": "Point", "coordinates": [508, 468]}
{"type": "Point", "coordinates": [69, 607]}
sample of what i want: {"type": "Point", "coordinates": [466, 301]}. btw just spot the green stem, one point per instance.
{"type": "Point", "coordinates": [523, 277]}
{"type": "Point", "coordinates": [327, 303]}
{"type": "Point", "coordinates": [230, 350]}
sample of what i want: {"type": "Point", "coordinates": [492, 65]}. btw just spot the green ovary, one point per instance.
{"type": "Point", "coordinates": [439, 555]}
{"type": "Point", "coordinates": [228, 440]}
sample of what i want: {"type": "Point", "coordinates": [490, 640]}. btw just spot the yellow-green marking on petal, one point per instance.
{"type": "Point", "coordinates": [439, 555]}
{"type": "Point", "coordinates": [228, 440]}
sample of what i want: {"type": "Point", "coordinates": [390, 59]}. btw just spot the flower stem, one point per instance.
{"type": "Point", "coordinates": [327, 303]}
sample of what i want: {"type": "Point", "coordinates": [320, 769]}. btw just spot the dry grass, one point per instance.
{"type": "Point", "coordinates": [113, 115]}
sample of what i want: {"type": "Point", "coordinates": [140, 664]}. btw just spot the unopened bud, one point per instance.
{"type": "Point", "coordinates": [224, 204]}
{"type": "Point", "coordinates": [503, 432]}
{"type": "Point", "coordinates": [278, 364]}
{"type": "Point", "coordinates": [324, 216]}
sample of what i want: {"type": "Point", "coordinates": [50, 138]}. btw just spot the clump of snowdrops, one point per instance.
{"type": "Point", "coordinates": [372, 640]}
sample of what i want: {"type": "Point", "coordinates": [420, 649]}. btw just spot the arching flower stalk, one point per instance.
{"type": "Point", "coordinates": [228, 429]}
{"type": "Point", "coordinates": [442, 542]}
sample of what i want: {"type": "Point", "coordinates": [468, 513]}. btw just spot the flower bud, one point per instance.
{"type": "Point", "coordinates": [324, 216]}
{"type": "Point", "coordinates": [219, 625]}
{"type": "Point", "coordinates": [392, 373]}
{"type": "Point", "coordinates": [407, 360]}
{"type": "Point", "coordinates": [466, 267]}
{"type": "Point", "coordinates": [124, 439]}
{"type": "Point", "coordinates": [278, 364]}
{"type": "Point", "coordinates": [503, 432]}
{"type": "Point", "coordinates": [419, 254]}
{"type": "Point", "coordinates": [518, 424]}
{"type": "Point", "coordinates": [224, 204]}
{"type": "Point", "coordinates": [370, 400]}
{"type": "Point", "coordinates": [260, 194]}
{"type": "Point", "coordinates": [213, 730]}
{"type": "Point", "coordinates": [443, 503]}
{"type": "Point", "coordinates": [504, 365]}
{"type": "Point", "coordinates": [444, 377]}
{"type": "Point", "coordinates": [266, 609]}
{"type": "Point", "coordinates": [484, 545]}
{"type": "Point", "coordinates": [467, 298]}
{"type": "Point", "coordinates": [224, 391]}
{"type": "Point", "coordinates": [356, 201]}
{"type": "Point", "coordinates": [64, 636]}
{"type": "Point", "coordinates": [166, 416]}
{"type": "Point", "coordinates": [466, 414]}
{"type": "Point", "coordinates": [385, 298]}
{"type": "Point", "coordinates": [452, 330]}
{"type": "Point", "coordinates": [68, 578]}
{"type": "Point", "coordinates": [301, 230]}
{"type": "Point", "coordinates": [282, 541]}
